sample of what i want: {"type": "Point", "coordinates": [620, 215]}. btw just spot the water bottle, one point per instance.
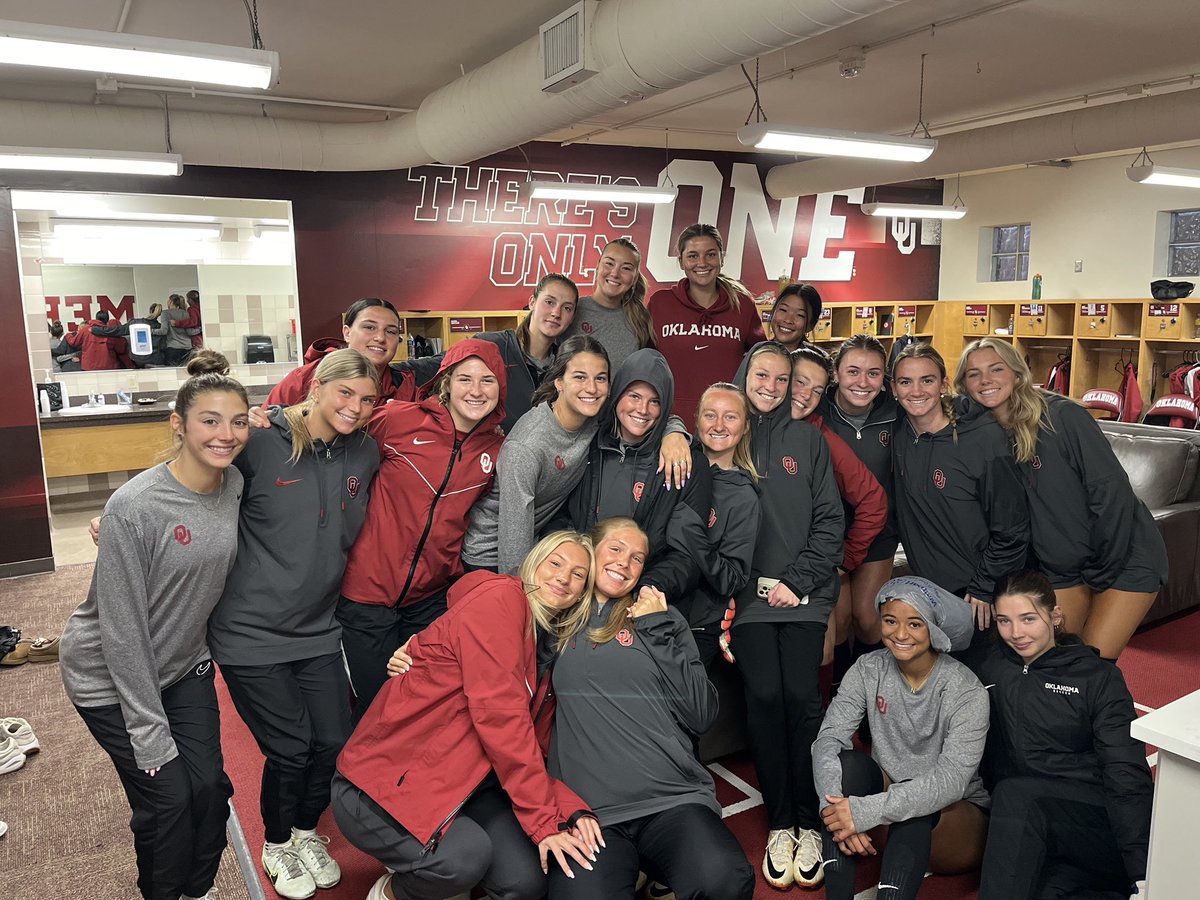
{"type": "Point", "coordinates": [1037, 287]}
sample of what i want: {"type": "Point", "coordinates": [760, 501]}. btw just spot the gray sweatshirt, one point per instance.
{"type": "Point", "coordinates": [539, 464]}
{"type": "Point", "coordinates": [619, 739]}
{"type": "Point", "coordinates": [608, 326]}
{"type": "Point", "coordinates": [164, 554]}
{"type": "Point", "coordinates": [177, 338]}
{"type": "Point", "coordinates": [929, 742]}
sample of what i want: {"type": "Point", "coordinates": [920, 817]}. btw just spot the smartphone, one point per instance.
{"type": "Point", "coordinates": [765, 585]}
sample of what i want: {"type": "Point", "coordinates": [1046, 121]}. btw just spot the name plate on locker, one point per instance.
{"type": "Point", "coordinates": [865, 318]}
{"type": "Point", "coordinates": [1095, 309]}
{"type": "Point", "coordinates": [1163, 322]}
{"type": "Point", "coordinates": [1033, 309]}
{"type": "Point", "coordinates": [466, 325]}
{"type": "Point", "coordinates": [1032, 320]}
{"type": "Point", "coordinates": [976, 320]}
{"type": "Point", "coordinates": [824, 326]}
{"type": "Point", "coordinates": [906, 312]}
{"type": "Point", "coordinates": [1164, 309]}
{"type": "Point", "coordinates": [1093, 320]}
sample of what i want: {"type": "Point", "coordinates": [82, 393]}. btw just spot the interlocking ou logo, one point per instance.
{"type": "Point", "coordinates": [637, 491]}
{"type": "Point", "coordinates": [881, 704]}
{"type": "Point", "coordinates": [485, 463]}
{"type": "Point", "coordinates": [586, 327]}
{"type": "Point", "coordinates": [939, 479]}
{"type": "Point", "coordinates": [884, 438]}
{"type": "Point", "coordinates": [712, 517]}
{"type": "Point", "coordinates": [183, 535]}
{"type": "Point", "coordinates": [560, 463]}
{"type": "Point", "coordinates": [625, 637]}
{"type": "Point", "coordinates": [790, 465]}
{"type": "Point", "coordinates": [352, 486]}
{"type": "Point", "coordinates": [1036, 462]}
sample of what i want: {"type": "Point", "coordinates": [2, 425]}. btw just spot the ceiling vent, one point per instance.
{"type": "Point", "coordinates": [565, 54]}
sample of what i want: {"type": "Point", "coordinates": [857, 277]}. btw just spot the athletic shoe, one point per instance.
{"type": "Point", "coordinates": [287, 873]}
{"type": "Point", "coordinates": [807, 868]}
{"type": "Point", "coordinates": [210, 894]}
{"type": "Point", "coordinates": [376, 892]}
{"type": "Point", "coordinates": [11, 757]}
{"type": "Point", "coordinates": [321, 866]}
{"type": "Point", "coordinates": [19, 731]}
{"type": "Point", "coordinates": [656, 890]}
{"type": "Point", "coordinates": [778, 863]}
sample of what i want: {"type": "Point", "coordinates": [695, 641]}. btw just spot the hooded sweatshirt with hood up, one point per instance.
{"type": "Point", "coordinates": [960, 503]}
{"type": "Point", "coordinates": [800, 540]}
{"type": "Point", "coordinates": [429, 477]}
{"type": "Point", "coordinates": [397, 382]}
{"type": "Point", "coordinates": [297, 524]}
{"type": "Point", "coordinates": [621, 479]}
{"type": "Point", "coordinates": [702, 345]}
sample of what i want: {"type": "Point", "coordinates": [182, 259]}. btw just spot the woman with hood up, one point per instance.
{"type": "Point", "coordinates": [438, 458]}
{"type": "Point", "coordinates": [620, 477]}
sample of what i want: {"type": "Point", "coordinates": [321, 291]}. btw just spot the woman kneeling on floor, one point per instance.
{"type": "Point", "coordinates": [929, 719]}
{"type": "Point", "coordinates": [444, 780]}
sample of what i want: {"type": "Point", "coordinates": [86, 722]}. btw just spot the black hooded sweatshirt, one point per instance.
{"type": "Point", "coordinates": [872, 444]}
{"type": "Point", "coordinates": [960, 503]}
{"type": "Point", "coordinates": [800, 539]}
{"type": "Point", "coordinates": [621, 480]}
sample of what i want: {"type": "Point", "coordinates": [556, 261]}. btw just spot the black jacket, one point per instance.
{"type": "Point", "coordinates": [1066, 716]}
{"type": "Point", "coordinates": [1086, 523]}
{"type": "Point", "coordinates": [800, 539]}
{"type": "Point", "coordinates": [621, 479]}
{"type": "Point", "coordinates": [960, 503]}
{"type": "Point", "coordinates": [872, 444]}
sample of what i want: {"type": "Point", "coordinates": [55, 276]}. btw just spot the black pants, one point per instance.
{"type": "Point", "coordinates": [708, 642]}
{"type": "Point", "coordinates": [688, 847]}
{"type": "Point", "coordinates": [179, 814]}
{"type": "Point", "coordinates": [1050, 838]}
{"type": "Point", "coordinates": [907, 853]}
{"type": "Point", "coordinates": [299, 712]}
{"type": "Point", "coordinates": [371, 634]}
{"type": "Point", "coordinates": [779, 664]}
{"type": "Point", "coordinates": [484, 845]}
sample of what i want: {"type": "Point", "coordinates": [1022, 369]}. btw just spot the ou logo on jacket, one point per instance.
{"type": "Point", "coordinates": [790, 465]}
{"type": "Point", "coordinates": [352, 486]}
{"type": "Point", "coordinates": [712, 517]}
{"type": "Point", "coordinates": [560, 463]}
{"type": "Point", "coordinates": [939, 479]}
{"type": "Point", "coordinates": [1036, 462]}
{"type": "Point", "coordinates": [625, 637]}
{"type": "Point", "coordinates": [637, 491]}
{"type": "Point", "coordinates": [182, 534]}
{"type": "Point", "coordinates": [884, 438]}
{"type": "Point", "coordinates": [485, 463]}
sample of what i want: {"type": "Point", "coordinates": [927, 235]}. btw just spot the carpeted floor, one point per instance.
{"type": "Point", "coordinates": [67, 813]}
{"type": "Point", "coordinates": [68, 821]}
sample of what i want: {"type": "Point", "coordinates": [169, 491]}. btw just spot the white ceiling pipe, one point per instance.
{"type": "Point", "coordinates": [1111, 127]}
{"type": "Point", "coordinates": [642, 48]}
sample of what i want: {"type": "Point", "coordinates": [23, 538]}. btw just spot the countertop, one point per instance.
{"type": "Point", "coordinates": [147, 412]}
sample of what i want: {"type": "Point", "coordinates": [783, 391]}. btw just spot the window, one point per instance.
{"type": "Point", "coordinates": [1010, 252]}
{"type": "Point", "coordinates": [1183, 249]}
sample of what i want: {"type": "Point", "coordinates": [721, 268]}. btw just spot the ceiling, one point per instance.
{"type": "Point", "coordinates": [986, 63]}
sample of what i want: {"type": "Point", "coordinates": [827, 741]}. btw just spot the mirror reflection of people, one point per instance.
{"type": "Point", "coordinates": [97, 352]}
{"type": "Point", "coordinates": [178, 345]}
{"type": "Point", "coordinates": [193, 324]}
{"type": "Point", "coordinates": [158, 331]}
{"type": "Point", "coordinates": [65, 358]}
{"type": "Point", "coordinates": [134, 658]}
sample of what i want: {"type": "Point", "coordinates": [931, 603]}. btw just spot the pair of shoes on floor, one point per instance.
{"type": "Point", "coordinates": [17, 743]}
{"type": "Point", "coordinates": [793, 857]}
{"type": "Point", "coordinates": [298, 868]}
{"type": "Point", "coordinates": [37, 650]}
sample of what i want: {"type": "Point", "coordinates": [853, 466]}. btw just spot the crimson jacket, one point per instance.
{"type": "Point", "coordinates": [429, 476]}
{"type": "Point", "coordinates": [97, 352]}
{"type": "Point", "coordinates": [701, 345]}
{"type": "Point", "coordinates": [863, 499]}
{"type": "Point", "coordinates": [395, 382]}
{"type": "Point", "coordinates": [467, 707]}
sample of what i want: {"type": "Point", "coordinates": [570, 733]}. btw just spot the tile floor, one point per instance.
{"type": "Point", "coordinates": [69, 518]}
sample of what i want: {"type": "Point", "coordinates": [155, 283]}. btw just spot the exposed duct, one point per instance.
{"type": "Point", "coordinates": [1162, 119]}
{"type": "Point", "coordinates": [642, 47]}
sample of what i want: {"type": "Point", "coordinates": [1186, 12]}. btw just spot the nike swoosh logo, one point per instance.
{"type": "Point", "coordinates": [419, 442]}
{"type": "Point", "coordinates": [700, 347]}
{"type": "Point", "coordinates": [279, 482]}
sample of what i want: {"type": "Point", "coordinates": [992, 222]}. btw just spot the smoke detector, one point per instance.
{"type": "Point", "coordinates": [851, 61]}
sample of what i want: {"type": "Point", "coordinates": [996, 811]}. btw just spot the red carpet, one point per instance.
{"type": "Point", "coordinates": [1159, 666]}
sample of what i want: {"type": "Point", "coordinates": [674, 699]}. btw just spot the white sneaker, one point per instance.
{"type": "Point", "coordinates": [287, 873]}
{"type": "Point", "coordinates": [321, 866]}
{"type": "Point", "coordinates": [779, 861]}
{"type": "Point", "coordinates": [11, 757]}
{"type": "Point", "coordinates": [376, 892]}
{"type": "Point", "coordinates": [807, 864]}
{"type": "Point", "coordinates": [210, 894]}
{"type": "Point", "coordinates": [19, 731]}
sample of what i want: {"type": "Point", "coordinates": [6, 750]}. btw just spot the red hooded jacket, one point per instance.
{"type": "Point", "coordinates": [861, 492]}
{"type": "Point", "coordinates": [467, 706]}
{"type": "Point", "coordinates": [702, 345]}
{"type": "Point", "coordinates": [294, 387]}
{"type": "Point", "coordinates": [410, 545]}
{"type": "Point", "coordinates": [98, 352]}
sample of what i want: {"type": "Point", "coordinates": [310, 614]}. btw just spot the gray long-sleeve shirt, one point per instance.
{"type": "Point", "coordinates": [618, 740]}
{"type": "Point", "coordinates": [164, 554]}
{"type": "Point", "coordinates": [929, 742]}
{"type": "Point", "coordinates": [609, 326]}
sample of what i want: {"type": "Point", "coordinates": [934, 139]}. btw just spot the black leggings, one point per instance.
{"type": "Point", "coordinates": [906, 856]}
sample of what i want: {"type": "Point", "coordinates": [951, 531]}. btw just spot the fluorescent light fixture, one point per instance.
{"type": "Point", "coordinates": [109, 53]}
{"type": "Point", "coordinates": [1156, 174]}
{"type": "Point", "coordinates": [913, 211]}
{"type": "Point", "coordinates": [595, 193]}
{"type": "Point", "coordinates": [122, 162]}
{"type": "Point", "coordinates": [134, 230]}
{"type": "Point", "coordinates": [834, 142]}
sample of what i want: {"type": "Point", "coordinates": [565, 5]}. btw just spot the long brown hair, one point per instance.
{"type": "Point", "coordinates": [340, 365]}
{"type": "Point", "coordinates": [734, 288]}
{"type": "Point", "coordinates": [572, 347]}
{"type": "Point", "coordinates": [633, 301]}
{"type": "Point", "coordinates": [618, 607]}
{"type": "Point", "coordinates": [1027, 410]}
{"type": "Point", "coordinates": [548, 279]}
